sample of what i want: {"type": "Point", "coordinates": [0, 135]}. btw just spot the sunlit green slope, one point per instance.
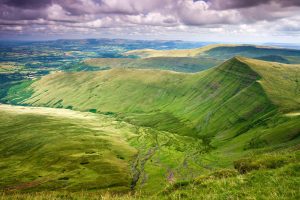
{"type": "Point", "coordinates": [228, 99]}
{"type": "Point", "coordinates": [180, 64]}
{"type": "Point", "coordinates": [183, 133]}
{"type": "Point", "coordinates": [47, 149]}
{"type": "Point", "coordinates": [194, 60]}
{"type": "Point", "coordinates": [220, 51]}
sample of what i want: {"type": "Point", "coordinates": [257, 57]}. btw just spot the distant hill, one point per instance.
{"type": "Point", "coordinates": [145, 53]}
{"type": "Point", "coordinates": [179, 64]}
{"type": "Point", "coordinates": [224, 51]}
{"type": "Point", "coordinates": [194, 60]}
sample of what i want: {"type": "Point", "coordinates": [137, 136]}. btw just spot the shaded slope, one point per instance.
{"type": "Point", "coordinates": [251, 51]}
{"type": "Point", "coordinates": [274, 58]}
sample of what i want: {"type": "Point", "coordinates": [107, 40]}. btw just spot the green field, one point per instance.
{"type": "Point", "coordinates": [229, 132]}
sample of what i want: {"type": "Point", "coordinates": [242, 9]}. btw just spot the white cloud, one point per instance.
{"type": "Point", "coordinates": [210, 17]}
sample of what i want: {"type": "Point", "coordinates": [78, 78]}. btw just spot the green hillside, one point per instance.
{"type": "Point", "coordinates": [194, 60]}
{"type": "Point", "coordinates": [169, 134]}
{"type": "Point", "coordinates": [162, 99]}
{"type": "Point", "coordinates": [274, 58]}
{"type": "Point", "coordinates": [144, 53]}
{"type": "Point", "coordinates": [47, 149]}
{"type": "Point", "coordinates": [227, 52]}
{"type": "Point", "coordinates": [66, 150]}
{"type": "Point", "coordinates": [222, 52]}
{"type": "Point", "coordinates": [248, 92]}
{"type": "Point", "coordinates": [180, 64]}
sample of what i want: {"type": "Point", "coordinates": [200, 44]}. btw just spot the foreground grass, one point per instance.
{"type": "Point", "coordinates": [278, 183]}
{"type": "Point", "coordinates": [64, 195]}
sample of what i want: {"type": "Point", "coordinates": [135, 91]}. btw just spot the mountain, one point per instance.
{"type": "Point", "coordinates": [161, 132]}
{"type": "Point", "coordinates": [246, 91]}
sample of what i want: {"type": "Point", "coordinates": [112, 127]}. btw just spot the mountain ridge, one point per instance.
{"type": "Point", "coordinates": [144, 53]}
{"type": "Point", "coordinates": [129, 129]}
{"type": "Point", "coordinates": [177, 102]}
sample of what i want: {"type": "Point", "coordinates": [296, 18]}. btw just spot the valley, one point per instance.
{"type": "Point", "coordinates": [163, 124]}
{"type": "Point", "coordinates": [149, 100]}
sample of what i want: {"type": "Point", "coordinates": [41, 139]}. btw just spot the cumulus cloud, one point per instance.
{"type": "Point", "coordinates": [236, 4]}
{"type": "Point", "coordinates": [215, 16]}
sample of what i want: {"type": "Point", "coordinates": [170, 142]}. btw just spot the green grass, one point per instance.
{"type": "Point", "coordinates": [218, 134]}
{"type": "Point", "coordinates": [180, 64]}
{"type": "Point", "coordinates": [44, 149]}
{"type": "Point", "coordinates": [273, 176]}
{"type": "Point", "coordinates": [274, 58]}
{"type": "Point", "coordinates": [250, 93]}
{"type": "Point", "coordinates": [189, 104]}
{"type": "Point", "coordinates": [279, 181]}
{"type": "Point", "coordinates": [224, 52]}
{"type": "Point", "coordinates": [148, 53]}
{"type": "Point", "coordinates": [19, 92]}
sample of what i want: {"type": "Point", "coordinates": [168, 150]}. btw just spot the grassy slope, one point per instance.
{"type": "Point", "coordinates": [248, 92]}
{"type": "Point", "coordinates": [180, 64]}
{"type": "Point", "coordinates": [274, 58]}
{"type": "Point", "coordinates": [56, 149]}
{"type": "Point", "coordinates": [270, 176]}
{"type": "Point", "coordinates": [189, 98]}
{"type": "Point", "coordinates": [46, 149]}
{"type": "Point", "coordinates": [257, 119]}
{"type": "Point", "coordinates": [281, 82]}
{"type": "Point", "coordinates": [195, 60]}
{"type": "Point", "coordinates": [174, 53]}
{"type": "Point", "coordinates": [224, 51]}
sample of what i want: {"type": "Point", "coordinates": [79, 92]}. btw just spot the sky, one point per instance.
{"type": "Point", "coordinates": [231, 21]}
